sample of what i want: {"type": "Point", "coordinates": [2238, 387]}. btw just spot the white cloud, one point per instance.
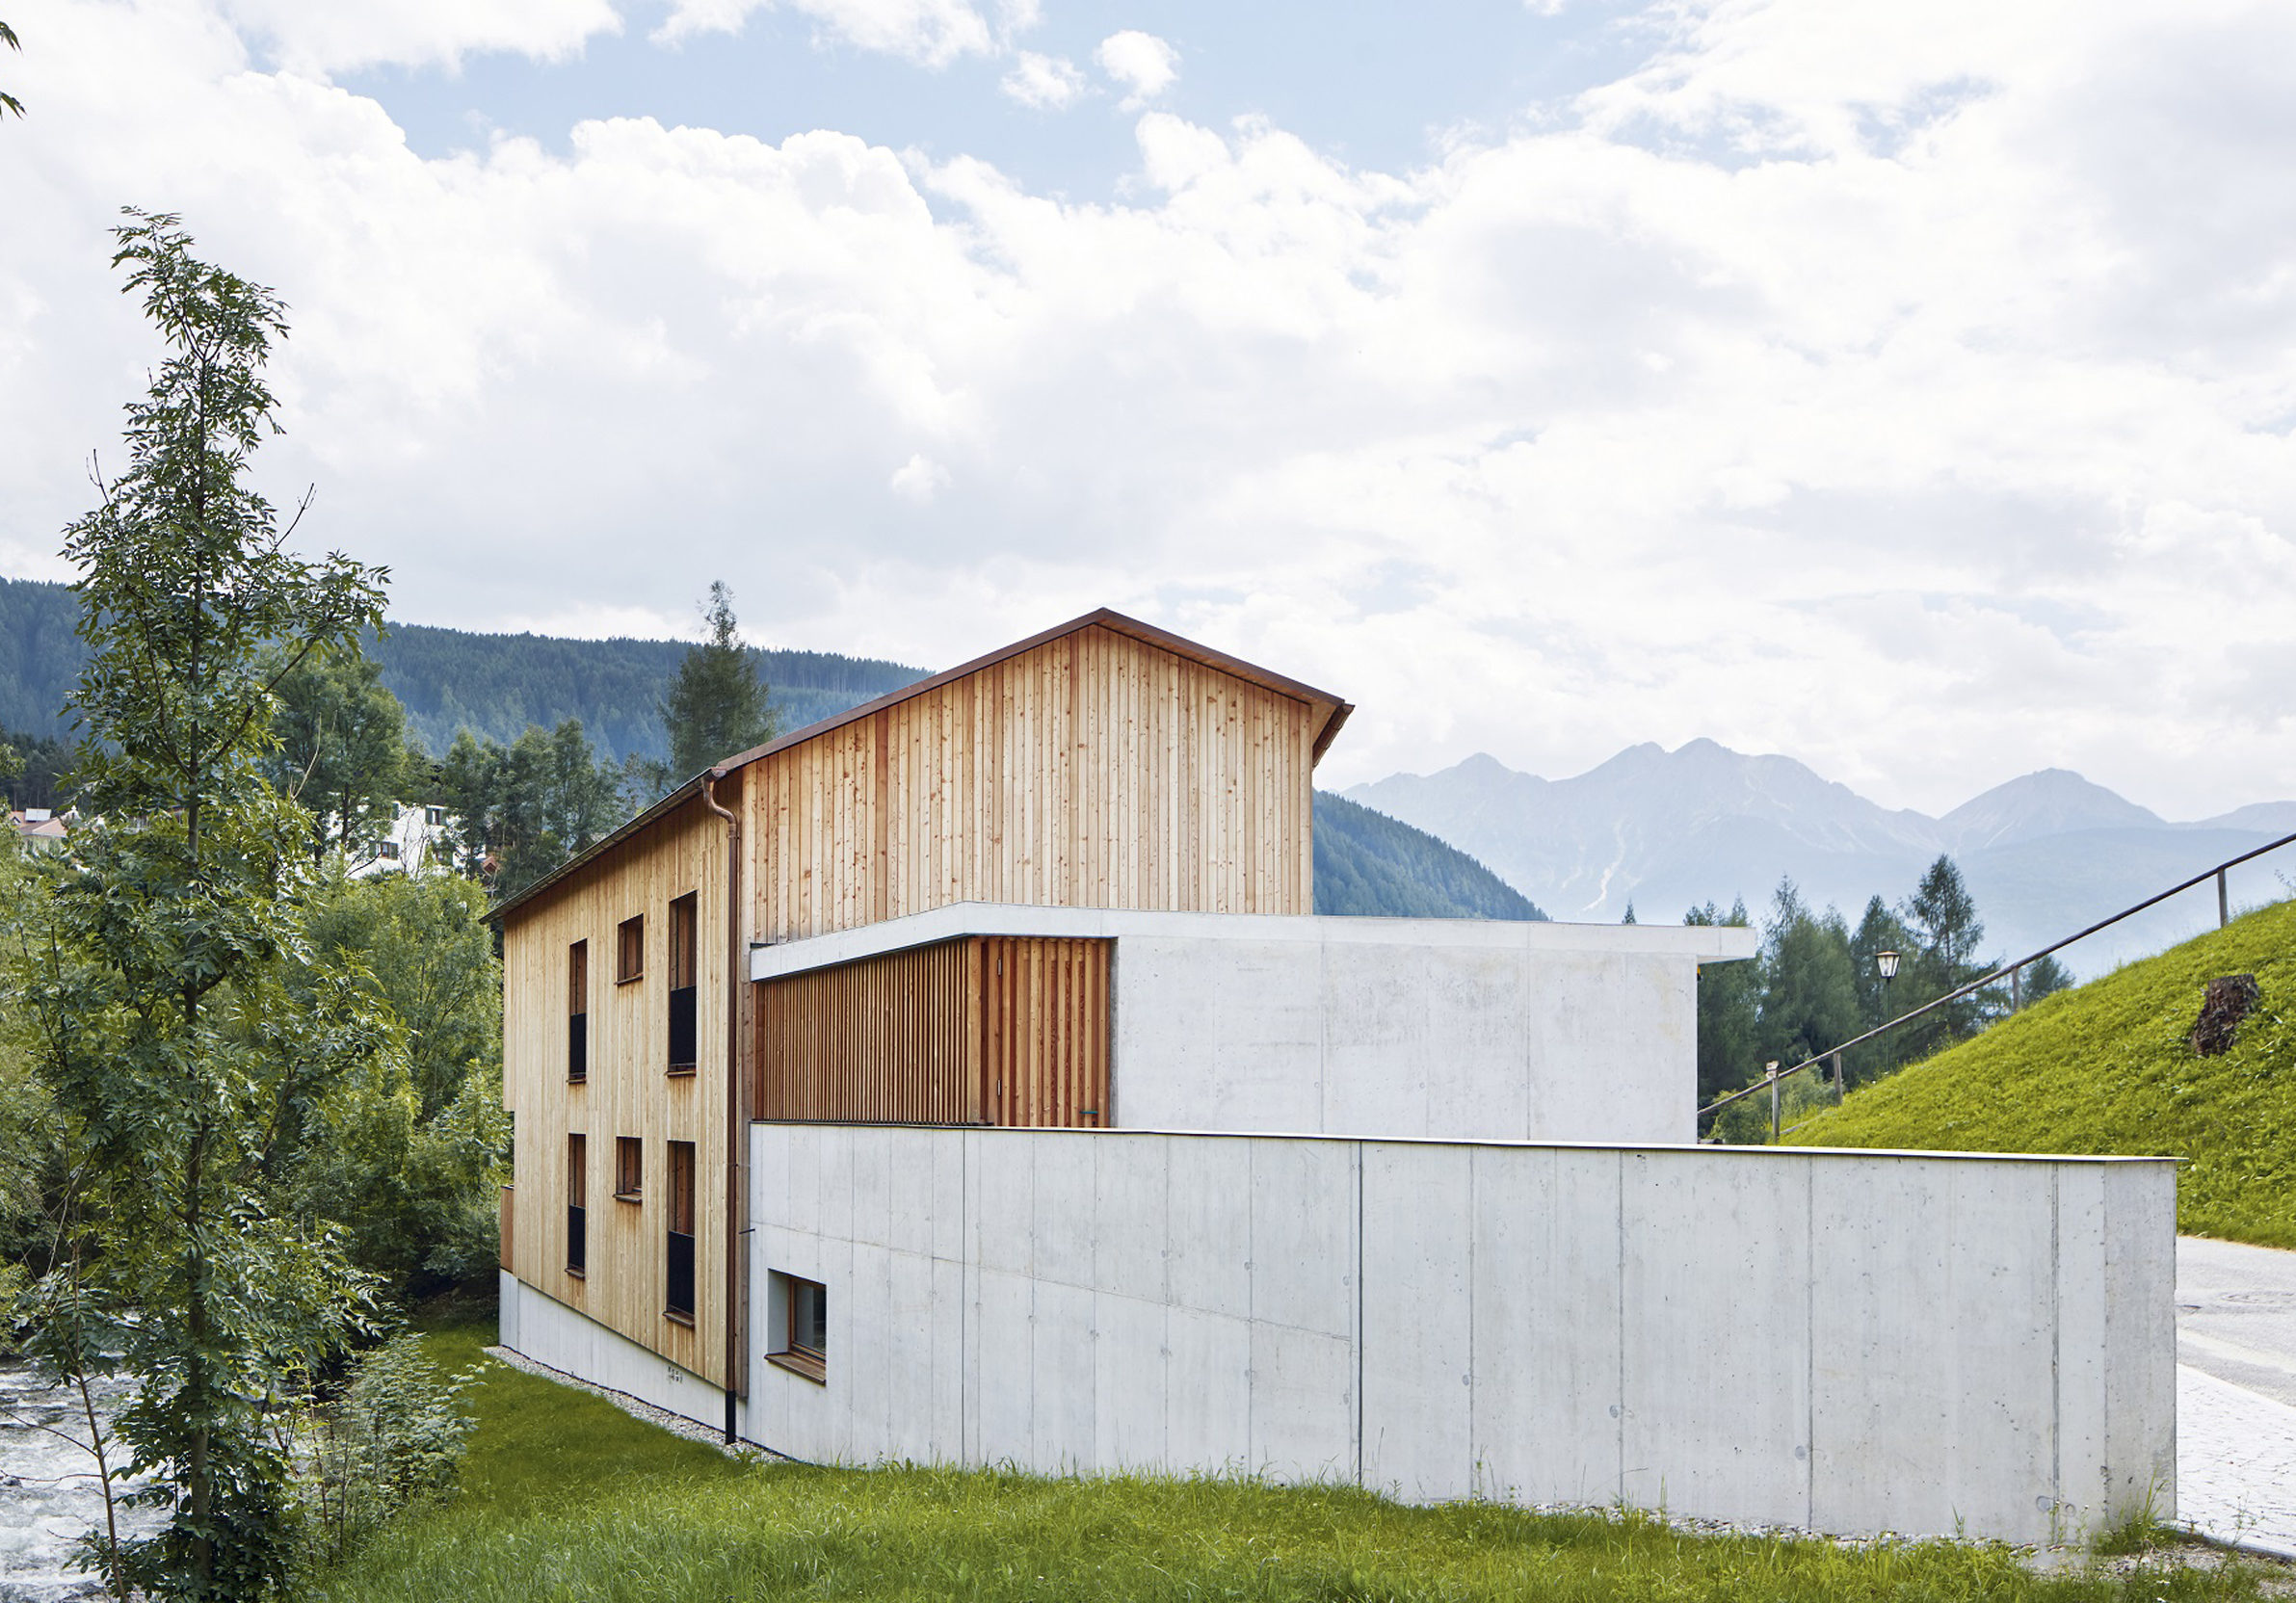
{"type": "Point", "coordinates": [931, 32]}
{"type": "Point", "coordinates": [919, 479]}
{"type": "Point", "coordinates": [1144, 63]}
{"type": "Point", "coordinates": [1046, 83]}
{"type": "Point", "coordinates": [322, 38]}
{"type": "Point", "coordinates": [1921, 403]}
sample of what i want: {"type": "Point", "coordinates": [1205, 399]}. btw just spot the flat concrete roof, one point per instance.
{"type": "Point", "coordinates": [1700, 943]}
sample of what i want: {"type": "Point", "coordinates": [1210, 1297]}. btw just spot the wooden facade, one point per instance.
{"type": "Point", "coordinates": [1101, 764]}
{"type": "Point", "coordinates": [984, 1029]}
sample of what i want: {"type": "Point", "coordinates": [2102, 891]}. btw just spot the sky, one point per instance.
{"type": "Point", "coordinates": [1908, 389]}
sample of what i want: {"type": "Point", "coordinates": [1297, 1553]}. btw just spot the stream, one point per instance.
{"type": "Point", "coordinates": [49, 1496]}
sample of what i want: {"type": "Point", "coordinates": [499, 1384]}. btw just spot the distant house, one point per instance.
{"type": "Point", "coordinates": [966, 1078]}
{"type": "Point", "coordinates": [420, 840]}
{"type": "Point", "coordinates": [42, 830]}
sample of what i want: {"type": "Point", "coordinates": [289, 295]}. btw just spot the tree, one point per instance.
{"type": "Point", "coordinates": [1879, 1000]}
{"type": "Point", "coordinates": [342, 749]}
{"type": "Point", "coordinates": [1729, 1012]}
{"type": "Point", "coordinates": [170, 1049]}
{"type": "Point", "coordinates": [1810, 997]}
{"type": "Point", "coordinates": [527, 807]}
{"type": "Point", "coordinates": [8, 102]}
{"type": "Point", "coordinates": [2044, 976]}
{"type": "Point", "coordinates": [717, 705]}
{"type": "Point", "coordinates": [1942, 917]}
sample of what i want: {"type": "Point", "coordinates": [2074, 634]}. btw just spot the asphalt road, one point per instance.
{"type": "Point", "coordinates": [2237, 1391]}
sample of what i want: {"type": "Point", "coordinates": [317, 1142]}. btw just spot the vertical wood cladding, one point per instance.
{"type": "Point", "coordinates": [1096, 770]}
{"type": "Point", "coordinates": [977, 1031]}
{"type": "Point", "coordinates": [628, 1088]}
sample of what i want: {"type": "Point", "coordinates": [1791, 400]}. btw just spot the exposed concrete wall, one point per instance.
{"type": "Point", "coordinates": [1841, 1341]}
{"type": "Point", "coordinates": [549, 1332]}
{"type": "Point", "coordinates": [1375, 1026]}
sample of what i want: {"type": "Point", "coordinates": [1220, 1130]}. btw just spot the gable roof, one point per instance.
{"type": "Point", "coordinates": [1336, 713]}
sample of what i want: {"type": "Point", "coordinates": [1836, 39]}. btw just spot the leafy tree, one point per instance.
{"type": "Point", "coordinates": [8, 102]}
{"type": "Point", "coordinates": [1729, 1012]}
{"type": "Point", "coordinates": [1942, 917]}
{"type": "Point", "coordinates": [1810, 996]}
{"type": "Point", "coordinates": [342, 750]}
{"type": "Point", "coordinates": [717, 705]}
{"type": "Point", "coordinates": [38, 776]}
{"type": "Point", "coordinates": [1879, 1000]}
{"type": "Point", "coordinates": [170, 1049]}
{"type": "Point", "coordinates": [527, 807]}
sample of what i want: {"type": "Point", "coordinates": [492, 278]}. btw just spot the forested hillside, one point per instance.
{"type": "Point", "coordinates": [448, 679]}
{"type": "Point", "coordinates": [1366, 862]}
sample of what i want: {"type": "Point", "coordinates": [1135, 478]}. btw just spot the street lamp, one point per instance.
{"type": "Point", "coordinates": [1887, 962]}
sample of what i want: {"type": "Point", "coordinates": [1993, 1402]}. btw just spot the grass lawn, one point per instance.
{"type": "Point", "coordinates": [567, 1497]}
{"type": "Point", "coordinates": [2106, 1068]}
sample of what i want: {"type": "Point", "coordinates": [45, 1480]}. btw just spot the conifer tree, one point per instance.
{"type": "Point", "coordinates": [716, 707]}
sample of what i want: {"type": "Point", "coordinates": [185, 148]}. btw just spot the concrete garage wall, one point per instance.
{"type": "Point", "coordinates": [1378, 1027]}
{"type": "Point", "coordinates": [1841, 1341]}
{"type": "Point", "coordinates": [546, 1330]}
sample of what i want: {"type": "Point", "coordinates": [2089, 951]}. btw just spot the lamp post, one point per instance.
{"type": "Point", "coordinates": [1887, 962]}
{"type": "Point", "coordinates": [1771, 1069]}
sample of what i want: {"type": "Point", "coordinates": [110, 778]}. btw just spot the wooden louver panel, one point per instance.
{"type": "Point", "coordinates": [977, 1031]}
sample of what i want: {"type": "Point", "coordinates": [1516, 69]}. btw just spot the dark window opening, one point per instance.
{"type": "Point", "coordinates": [577, 1010]}
{"type": "Point", "coordinates": [577, 1218]}
{"type": "Point", "coordinates": [629, 1168]}
{"type": "Point", "coordinates": [629, 950]}
{"type": "Point", "coordinates": [684, 971]}
{"type": "Point", "coordinates": [678, 1298]}
{"type": "Point", "coordinates": [805, 1328]}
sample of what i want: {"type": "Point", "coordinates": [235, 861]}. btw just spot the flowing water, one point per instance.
{"type": "Point", "coordinates": [49, 1493]}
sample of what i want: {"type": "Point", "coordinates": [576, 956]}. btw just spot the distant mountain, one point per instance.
{"type": "Point", "coordinates": [1366, 862]}
{"type": "Point", "coordinates": [449, 679]}
{"type": "Point", "coordinates": [2044, 855]}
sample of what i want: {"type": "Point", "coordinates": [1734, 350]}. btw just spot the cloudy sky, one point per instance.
{"type": "Point", "coordinates": [1910, 389]}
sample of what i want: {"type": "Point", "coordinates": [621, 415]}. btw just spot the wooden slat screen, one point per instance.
{"type": "Point", "coordinates": [977, 1030]}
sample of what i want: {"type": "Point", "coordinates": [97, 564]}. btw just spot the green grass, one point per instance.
{"type": "Point", "coordinates": [2105, 1067]}
{"type": "Point", "coordinates": [567, 1498]}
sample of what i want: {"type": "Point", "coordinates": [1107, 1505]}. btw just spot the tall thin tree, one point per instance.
{"type": "Point", "coordinates": [718, 705]}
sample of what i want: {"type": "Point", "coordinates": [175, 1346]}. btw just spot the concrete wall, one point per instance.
{"type": "Point", "coordinates": [548, 1331]}
{"type": "Point", "coordinates": [1844, 1342]}
{"type": "Point", "coordinates": [1376, 1027]}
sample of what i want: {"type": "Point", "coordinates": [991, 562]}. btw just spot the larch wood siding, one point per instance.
{"type": "Point", "coordinates": [629, 1090]}
{"type": "Point", "coordinates": [1094, 770]}
{"type": "Point", "coordinates": [995, 1030]}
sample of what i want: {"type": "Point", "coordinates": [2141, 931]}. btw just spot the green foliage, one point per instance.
{"type": "Point", "coordinates": [8, 102]}
{"type": "Point", "coordinates": [717, 705]}
{"type": "Point", "coordinates": [2106, 1068]}
{"type": "Point", "coordinates": [564, 1496]}
{"type": "Point", "coordinates": [1729, 999]}
{"type": "Point", "coordinates": [32, 769]}
{"type": "Point", "coordinates": [1809, 995]}
{"type": "Point", "coordinates": [1368, 863]}
{"type": "Point", "coordinates": [407, 1147]}
{"type": "Point", "coordinates": [342, 750]}
{"type": "Point", "coordinates": [169, 1042]}
{"type": "Point", "coordinates": [394, 1442]}
{"type": "Point", "coordinates": [527, 807]}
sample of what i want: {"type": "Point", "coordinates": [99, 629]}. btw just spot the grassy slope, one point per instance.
{"type": "Point", "coordinates": [567, 1497]}
{"type": "Point", "coordinates": [2104, 1067]}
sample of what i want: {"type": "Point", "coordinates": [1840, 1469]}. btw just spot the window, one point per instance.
{"type": "Point", "coordinates": [629, 950]}
{"type": "Point", "coordinates": [577, 1010]}
{"type": "Point", "coordinates": [803, 1306]}
{"type": "Point", "coordinates": [391, 851]}
{"type": "Point", "coordinates": [629, 1168]}
{"type": "Point", "coordinates": [434, 816]}
{"type": "Point", "coordinates": [684, 969]}
{"type": "Point", "coordinates": [678, 1298]}
{"type": "Point", "coordinates": [577, 1234]}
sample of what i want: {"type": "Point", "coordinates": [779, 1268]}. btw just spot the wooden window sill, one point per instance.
{"type": "Point", "coordinates": [676, 1318]}
{"type": "Point", "coordinates": [681, 1071]}
{"type": "Point", "coordinates": [577, 1079]}
{"type": "Point", "coordinates": [575, 1272]}
{"type": "Point", "coordinates": [629, 1197]}
{"type": "Point", "coordinates": [630, 979]}
{"type": "Point", "coordinates": [800, 1363]}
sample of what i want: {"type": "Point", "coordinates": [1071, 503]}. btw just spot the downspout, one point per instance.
{"type": "Point", "coordinates": [736, 1134]}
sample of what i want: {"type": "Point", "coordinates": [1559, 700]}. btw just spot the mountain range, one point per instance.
{"type": "Point", "coordinates": [1665, 832]}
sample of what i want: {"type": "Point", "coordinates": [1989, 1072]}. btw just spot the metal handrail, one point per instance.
{"type": "Point", "coordinates": [2222, 909]}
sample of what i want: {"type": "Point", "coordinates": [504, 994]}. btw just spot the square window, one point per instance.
{"type": "Point", "coordinates": [804, 1326]}
{"type": "Point", "coordinates": [629, 1168]}
{"type": "Point", "coordinates": [629, 950]}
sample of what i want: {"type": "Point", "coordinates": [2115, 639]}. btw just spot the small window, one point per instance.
{"type": "Point", "coordinates": [577, 1190]}
{"type": "Point", "coordinates": [391, 851]}
{"type": "Point", "coordinates": [434, 816]}
{"type": "Point", "coordinates": [684, 966]}
{"type": "Point", "coordinates": [629, 951]}
{"type": "Point", "coordinates": [804, 1330]}
{"type": "Point", "coordinates": [678, 1301]}
{"type": "Point", "coordinates": [629, 1168]}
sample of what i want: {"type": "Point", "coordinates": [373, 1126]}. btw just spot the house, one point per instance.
{"type": "Point", "coordinates": [40, 828]}
{"type": "Point", "coordinates": [968, 1078]}
{"type": "Point", "coordinates": [421, 837]}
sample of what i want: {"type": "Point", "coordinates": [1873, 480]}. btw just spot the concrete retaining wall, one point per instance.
{"type": "Point", "coordinates": [548, 1331]}
{"type": "Point", "coordinates": [1842, 1342]}
{"type": "Point", "coordinates": [1376, 1027]}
